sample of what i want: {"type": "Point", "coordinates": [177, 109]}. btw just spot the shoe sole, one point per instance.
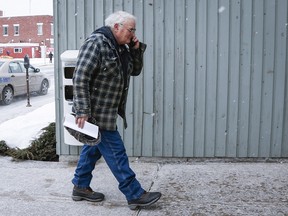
{"type": "Point", "coordinates": [79, 198]}
{"type": "Point", "coordinates": [135, 206]}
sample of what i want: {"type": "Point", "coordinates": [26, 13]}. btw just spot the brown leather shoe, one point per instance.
{"type": "Point", "coordinates": [147, 199]}
{"type": "Point", "coordinates": [86, 194]}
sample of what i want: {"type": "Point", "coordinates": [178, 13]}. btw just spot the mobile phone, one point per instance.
{"type": "Point", "coordinates": [131, 44]}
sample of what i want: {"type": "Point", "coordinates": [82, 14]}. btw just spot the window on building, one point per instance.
{"type": "Point", "coordinates": [51, 42]}
{"type": "Point", "coordinates": [1, 50]}
{"type": "Point", "coordinates": [52, 29]}
{"type": "Point", "coordinates": [5, 30]}
{"type": "Point", "coordinates": [17, 50]}
{"type": "Point", "coordinates": [16, 29]}
{"type": "Point", "coordinates": [40, 28]}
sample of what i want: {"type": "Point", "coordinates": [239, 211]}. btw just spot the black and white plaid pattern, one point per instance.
{"type": "Point", "coordinates": [98, 81]}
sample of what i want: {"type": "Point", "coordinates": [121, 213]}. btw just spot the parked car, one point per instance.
{"type": "Point", "coordinates": [13, 80]}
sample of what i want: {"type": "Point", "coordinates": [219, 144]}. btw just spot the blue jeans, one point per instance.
{"type": "Point", "coordinates": [113, 151]}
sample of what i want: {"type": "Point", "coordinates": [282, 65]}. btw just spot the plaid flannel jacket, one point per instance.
{"type": "Point", "coordinates": [98, 80]}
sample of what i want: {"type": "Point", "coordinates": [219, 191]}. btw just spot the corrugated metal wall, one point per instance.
{"type": "Point", "coordinates": [215, 78]}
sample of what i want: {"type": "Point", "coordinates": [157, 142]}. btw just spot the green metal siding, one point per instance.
{"type": "Point", "coordinates": [214, 82]}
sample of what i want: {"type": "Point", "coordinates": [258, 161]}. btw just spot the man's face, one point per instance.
{"type": "Point", "coordinates": [125, 32]}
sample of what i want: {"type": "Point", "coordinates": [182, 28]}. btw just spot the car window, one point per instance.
{"type": "Point", "coordinates": [1, 63]}
{"type": "Point", "coordinates": [22, 66]}
{"type": "Point", "coordinates": [30, 69]}
{"type": "Point", "coordinates": [14, 67]}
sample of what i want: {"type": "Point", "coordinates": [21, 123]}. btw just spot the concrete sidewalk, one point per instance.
{"type": "Point", "coordinates": [188, 188]}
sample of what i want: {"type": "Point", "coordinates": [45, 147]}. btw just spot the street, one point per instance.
{"type": "Point", "coordinates": [18, 106]}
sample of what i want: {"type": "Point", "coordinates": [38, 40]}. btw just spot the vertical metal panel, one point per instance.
{"type": "Point", "coordinates": [200, 76]}
{"type": "Point", "coordinates": [158, 77]}
{"type": "Point", "coordinates": [98, 14]}
{"type": "Point", "coordinates": [71, 26]}
{"type": "Point", "coordinates": [148, 81]}
{"type": "Point", "coordinates": [233, 78]}
{"type": "Point", "coordinates": [190, 83]}
{"type": "Point", "coordinates": [222, 77]}
{"type": "Point", "coordinates": [138, 89]}
{"type": "Point", "coordinates": [244, 78]}
{"type": "Point", "coordinates": [58, 91]}
{"type": "Point", "coordinates": [81, 22]}
{"type": "Point", "coordinates": [179, 78]}
{"type": "Point", "coordinates": [267, 78]}
{"type": "Point", "coordinates": [279, 81]}
{"type": "Point", "coordinates": [214, 82]}
{"type": "Point", "coordinates": [89, 20]}
{"type": "Point", "coordinates": [256, 78]}
{"type": "Point", "coordinates": [211, 80]}
{"type": "Point", "coordinates": [108, 7]}
{"type": "Point", "coordinates": [168, 102]}
{"type": "Point", "coordinates": [284, 146]}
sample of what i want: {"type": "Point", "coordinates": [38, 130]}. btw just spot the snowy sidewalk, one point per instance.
{"type": "Point", "coordinates": [188, 188]}
{"type": "Point", "coordinates": [40, 61]}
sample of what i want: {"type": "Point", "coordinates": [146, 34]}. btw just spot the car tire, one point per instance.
{"type": "Point", "coordinates": [7, 95]}
{"type": "Point", "coordinates": [44, 87]}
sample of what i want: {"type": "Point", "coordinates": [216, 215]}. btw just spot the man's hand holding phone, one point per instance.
{"type": "Point", "coordinates": [134, 43]}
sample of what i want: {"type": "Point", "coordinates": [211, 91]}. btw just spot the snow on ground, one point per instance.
{"type": "Point", "coordinates": [18, 125]}
{"type": "Point", "coordinates": [20, 131]}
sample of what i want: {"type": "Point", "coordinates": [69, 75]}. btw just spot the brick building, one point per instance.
{"type": "Point", "coordinates": [32, 35]}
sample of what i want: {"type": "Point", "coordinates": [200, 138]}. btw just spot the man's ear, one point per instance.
{"type": "Point", "coordinates": [116, 26]}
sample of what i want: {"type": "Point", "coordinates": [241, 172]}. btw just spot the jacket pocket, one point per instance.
{"type": "Point", "coordinates": [110, 67]}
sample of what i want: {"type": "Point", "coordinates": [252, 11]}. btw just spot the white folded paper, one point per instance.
{"type": "Point", "coordinates": [88, 129]}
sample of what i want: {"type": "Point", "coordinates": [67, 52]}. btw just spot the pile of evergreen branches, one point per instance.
{"type": "Point", "coordinates": [41, 149]}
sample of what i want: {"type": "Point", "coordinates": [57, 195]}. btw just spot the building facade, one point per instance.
{"type": "Point", "coordinates": [19, 50]}
{"type": "Point", "coordinates": [18, 32]}
{"type": "Point", "coordinates": [214, 82]}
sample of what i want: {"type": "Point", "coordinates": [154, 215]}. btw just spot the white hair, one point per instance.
{"type": "Point", "coordinates": [118, 17]}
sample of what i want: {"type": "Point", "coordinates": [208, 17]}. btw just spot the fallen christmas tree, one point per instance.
{"type": "Point", "coordinates": [41, 149]}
